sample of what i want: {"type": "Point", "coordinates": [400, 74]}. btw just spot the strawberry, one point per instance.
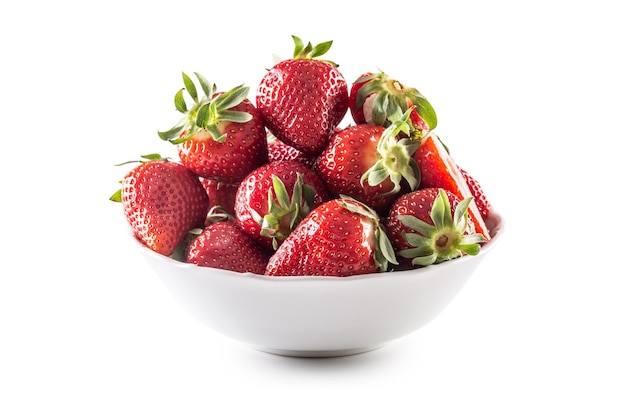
{"type": "Point", "coordinates": [275, 197]}
{"type": "Point", "coordinates": [162, 201]}
{"type": "Point", "coordinates": [224, 245]}
{"type": "Point", "coordinates": [221, 136]}
{"type": "Point", "coordinates": [370, 164]}
{"type": "Point", "coordinates": [431, 225]}
{"type": "Point", "coordinates": [279, 151]}
{"type": "Point", "coordinates": [483, 204]}
{"type": "Point", "coordinates": [341, 237]}
{"type": "Point", "coordinates": [221, 194]}
{"type": "Point", "coordinates": [304, 98]}
{"type": "Point", "coordinates": [438, 170]}
{"type": "Point", "coordinates": [374, 97]}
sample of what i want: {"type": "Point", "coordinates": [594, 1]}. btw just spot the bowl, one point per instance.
{"type": "Point", "coordinates": [317, 316]}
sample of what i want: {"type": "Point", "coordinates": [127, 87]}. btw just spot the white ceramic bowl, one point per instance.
{"type": "Point", "coordinates": [317, 316]}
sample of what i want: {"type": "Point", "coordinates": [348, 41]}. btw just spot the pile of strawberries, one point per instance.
{"type": "Point", "coordinates": [277, 187]}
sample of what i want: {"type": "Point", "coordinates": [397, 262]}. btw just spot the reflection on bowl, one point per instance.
{"type": "Point", "coordinates": [317, 316]}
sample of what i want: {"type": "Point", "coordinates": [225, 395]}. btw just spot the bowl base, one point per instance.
{"type": "Point", "coordinates": [317, 353]}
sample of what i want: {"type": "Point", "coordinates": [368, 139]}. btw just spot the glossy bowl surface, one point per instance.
{"type": "Point", "coordinates": [317, 316]}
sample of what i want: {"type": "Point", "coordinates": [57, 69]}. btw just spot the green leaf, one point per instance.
{"type": "Point", "coordinates": [379, 108]}
{"type": "Point", "coordinates": [384, 248]}
{"type": "Point", "coordinates": [364, 92]}
{"type": "Point", "coordinates": [192, 131]}
{"type": "Point", "coordinates": [298, 46]}
{"type": "Point", "coordinates": [365, 78]}
{"type": "Point", "coordinates": [426, 111]}
{"type": "Point", "coordinates": [173, 132]}
{"type": "Point", "coordinates": [411, 253]}
{"type": "Point", "coordinates": [179, 101]}
{"type": "Point", "coordinates": [357, 207]}
{"type": "Point", "coordinates": [472, 250]}
{"type": "Point", "coordinates": [320, 49]}
{"type": "Point", "coordinates": [461, 214]}
{"type": "Point", "coordinates": [215, 132]}
{"type": "Point", "coordinates": [416, 240]}
{"type": "Point", "coordinates": [437, 213]}
{"type": "Point", "coordinates": [308, 193]}
{"type": "Point", "coordinates": [425, 260]}
{"type": "Point", "coordinates": [447, 211]}
{"type": "Point", "coordinates": [296, 194]}
{"type": "Point", "coordinates": [234, 116]}
{"type": "Point", "coordinates": [207, 87]}
{"type": "Point", "coordinates": [203, 118]}
{"type": "Point", "coordinates": [191, 88]}
{"type": "Point", "coordinates": [376, 175]}
{"type": "Point", "coordinates": [282, 195]}
{"type": "Point", "coordinates": [416, 224]}
{"type": "Point", "coordinates": [152, 157]}
{"type": "Point", "coordinates": [232, 97]}
{"type": "Point", "coordinates": [473, 238]}
{"type": "Point", "coordinates": [117, 196]}
{"type": "Point", "coordinates": [256, 216]}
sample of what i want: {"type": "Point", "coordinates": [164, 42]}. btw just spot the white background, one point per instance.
{"type": "Point", "coordinates": [530, 98]}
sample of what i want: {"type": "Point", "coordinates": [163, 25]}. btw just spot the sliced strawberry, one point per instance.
{"type": "Point", "coordinates": [430, 226]}
{"type": "Point", "coordinates": [484, 206]}
{"type": "Point", "coordinates": [341, 237]}
{"type": "Point", "coordinates": [438, 170]}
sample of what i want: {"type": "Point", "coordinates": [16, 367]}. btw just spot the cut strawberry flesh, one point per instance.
{"type": "Point", "coordinates": [438, 169]}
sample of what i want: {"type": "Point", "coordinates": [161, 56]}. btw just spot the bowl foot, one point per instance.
{"type": "Point", "coordinates": [317, 353]}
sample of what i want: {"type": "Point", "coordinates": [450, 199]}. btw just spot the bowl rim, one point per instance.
{"type": "Point", "coordinates": [499, 226]}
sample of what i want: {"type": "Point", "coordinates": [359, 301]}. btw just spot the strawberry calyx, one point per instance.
{"type": "Point", "coordinates": [206, 112]}
{"type": "Point", "coordinates": [383, 249]}
{"type": "Point", "coordinates": [396, 147]}
{"type": "Point", "coordinates": [310, 51]}
{"type": "Point", "coordinates": [284, 211]}
{"type": "Point", "coordinates": [446, 239]}
{"type": "Point", "coordinates": [391, 96]}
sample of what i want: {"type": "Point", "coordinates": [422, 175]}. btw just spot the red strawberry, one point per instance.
{"type": "Point", "coordinates": [484, 206]}
{"type": "Point", "coordinates": [369, 163]}
{"type": "Point", "coordinates": [431, 225]}
{"type": "Point", "coordinates": [280, 151]}
{"type": "Point", "coordinates": [224, 245]}
{"type": "Point", "coordinates": [341, 237]}
{"type": "Point", "coordinates": [162, 201]}
{"type": "Point", "coordinates": [438, 170]}
{"type": "Point", "coordinates": [274, 198]}
{"type": "Point", "coordinates": [374, 98]}
{"type": "Point", "coordinates": [221, 193]}
{"type": "Point", "coordinates": [221, 136]}
{"type": "Point", "coordinates": [303, 99]}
